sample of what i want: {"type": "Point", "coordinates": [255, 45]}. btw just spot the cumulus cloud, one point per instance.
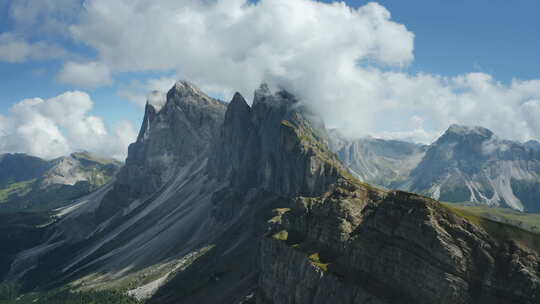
{"type": "Point", "coordinates": [235, 45]}
{"type": "Point", "coordinates": [89, 74]}
{"type": "Point", "coordinates": [349, 63]}
{"type": "Point", "coordinates": [346, 62]}
{"type": "Point", "coordinates": [54, 127]}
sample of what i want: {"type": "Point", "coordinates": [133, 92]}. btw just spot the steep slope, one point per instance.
{"type": "Point", "coordinates": [386, 163]}
{"type": "Point", "coordinates": [152, 220]}
{"type": "Point", "coordinates": [472, 164]}
{"type": "Point", "coordinates": [29, 183]}
{"type": "Point", "coordinates": [257, 209]}
{"type": "Point", "coordinates": [34, 188]}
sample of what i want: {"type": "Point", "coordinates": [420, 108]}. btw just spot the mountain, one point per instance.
{"type": "Point", "coordinates": [472, 164]}
{"type": "Point", "coordinates": [28, 183]}
{"type": "Point", "coordinates": [31, 190]}
{"type": "Point", "coordinates": [231, 203]}
{"type": "Point", "coordinates": [386, 163]}
{"type": "Point", "coordinates": [465, 164]}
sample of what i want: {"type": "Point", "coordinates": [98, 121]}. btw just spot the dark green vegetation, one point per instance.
{"type": "Point", "coordinates": [8, 295]}
{"type": "Point", "coordinates": [29, 183]}
{"type": "Point", "coordinates": [30, 196]}
{"type": "Point", "coordinates": [524, 221]}
{"type": "Point", "coordinates": [19, 231]}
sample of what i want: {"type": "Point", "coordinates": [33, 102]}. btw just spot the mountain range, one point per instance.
{"type": "Point", "coordinates": [31, 183]}
{"type": "Point", "coordinates": [231, 203]}
{"type": "Point", "coordinates": [465, 164]}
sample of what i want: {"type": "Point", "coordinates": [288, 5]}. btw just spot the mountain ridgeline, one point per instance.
{"type": "Point", "coordinates": [29, 183]}
{"type": "Point", "coordinates": [466, 164]}
{"type": "Point", "coordinates": [231, 203]}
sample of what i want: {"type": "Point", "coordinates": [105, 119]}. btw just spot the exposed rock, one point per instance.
{"type": "Point", "coordinates": [393, 247]}
{"type": "Point", "coordinates": [172, 135]}
{"type": "Point", "coordinates": [273, 146]}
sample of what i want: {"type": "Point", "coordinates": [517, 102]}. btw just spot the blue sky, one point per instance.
{"type": "Point", "coordinates": [452, 39]}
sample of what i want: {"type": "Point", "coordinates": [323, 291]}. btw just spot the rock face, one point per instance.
{"type": "Point", "coordinates": [250, 205]}
{"type": "Point", "coordinates": [472, 164]}
{"type": "Point", "coordinates": [172, 135]}
{"type": "Point", "coordinates": [360, 245]}
{"type": "Point", "coordinates": [274, 147]}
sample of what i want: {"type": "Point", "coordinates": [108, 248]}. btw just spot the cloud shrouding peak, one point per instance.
{"type": "Point", "coordinates": [234, 45]}
{"type": "Point", "coordinates": [57, 126]}
{"type": "Point", "coordinates": [348, 63]}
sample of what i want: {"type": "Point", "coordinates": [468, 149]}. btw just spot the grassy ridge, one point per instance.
{"type": "Point", "coordinates": [501, 224]}
{"type": "Point", "coordinates": [525, 221]}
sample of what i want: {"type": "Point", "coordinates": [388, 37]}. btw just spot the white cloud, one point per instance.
{"type": "Point", "coordinates": [234, 45]}
{"type": "Point", "coordinates": [62, 124]}
{"type": "Point", "coordinates": [88, 75]}
{"type": "Point", "coordinates": [15, 49]}
{"type": "Point", "coordinates": [347, 62]}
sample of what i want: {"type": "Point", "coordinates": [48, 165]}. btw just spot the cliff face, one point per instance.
{"type": "Point", "coordinates": [173, 134]}
{"type": "Point", "coordinates": [360, 245]}
{"type": "Point", "coordinates": [272, 146]}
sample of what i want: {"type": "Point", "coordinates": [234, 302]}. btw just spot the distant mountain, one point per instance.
{"type": "Point", "coordinates": [466, 164]}
{"type": "Point", "coordinates": [29, 183]}
{"type": "Point", "coordinates": [472, 164]}
{"type": "Point", "coordinates": [386, 163]}
{"type": "Point", "coordinates": [232, 203]}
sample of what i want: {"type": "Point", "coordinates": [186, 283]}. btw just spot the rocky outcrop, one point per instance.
{"type": "Point", "coordinates": [361, 245]}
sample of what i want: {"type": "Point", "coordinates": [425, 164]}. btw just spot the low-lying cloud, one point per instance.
{"type": "Point", "coordinates": [54, 127]}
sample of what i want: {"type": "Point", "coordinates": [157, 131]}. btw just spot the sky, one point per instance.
{"type": "Point", "coordinates": [74, 74]}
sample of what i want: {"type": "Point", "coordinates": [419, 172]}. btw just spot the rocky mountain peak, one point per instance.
{"type": "Point", "coordinates": [457, 132]}
{"type": "Point", "coordinates": [186, 92]}
{"type": "Point", "coordinates": [173, 136]}
{"type": "Point", "coordinates": [273, 145]}
{"type": "Point", "coordinates": [238, 102]}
